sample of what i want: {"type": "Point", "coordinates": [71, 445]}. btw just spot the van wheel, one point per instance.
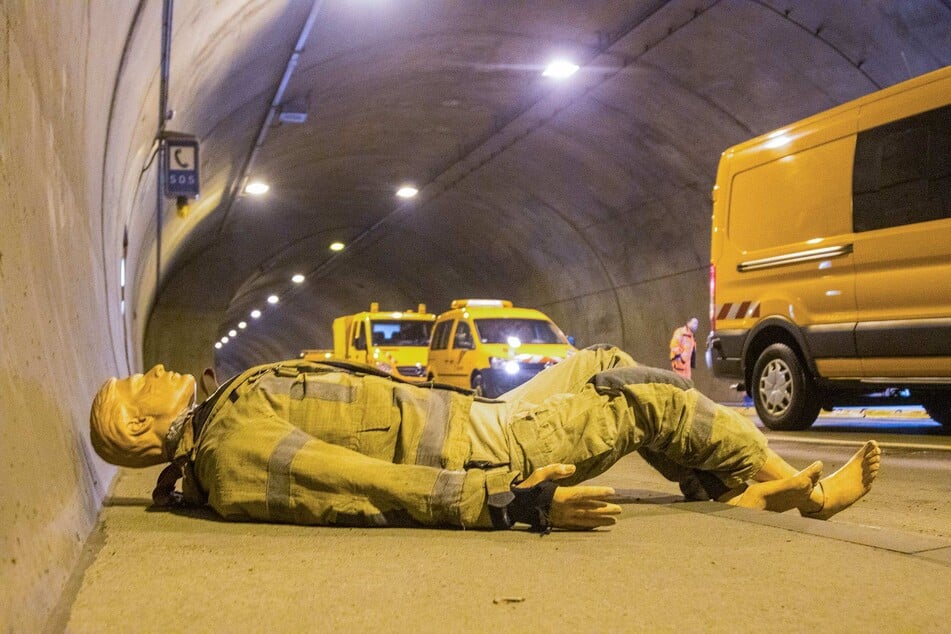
{"type": "Point", "coordinates": [939, 409]}
{"type": "Point", "coordinates": [478, 384]}
{"type": "Point", "coordinates": [784, 394]}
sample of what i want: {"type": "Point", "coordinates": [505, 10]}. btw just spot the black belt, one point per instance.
{"type": "Point", "coordinates": [204, 409]}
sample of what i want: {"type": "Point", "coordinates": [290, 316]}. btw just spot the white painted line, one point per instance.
{"type": "Point", "coordinates": [857, 443]}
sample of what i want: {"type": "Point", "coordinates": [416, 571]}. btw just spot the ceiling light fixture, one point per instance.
{"type": "Point", "coordinates": [256, 188]}
{"type": "Point", "coordinates": [336, 246]}
{"type": "Point", "coordinates": [232, 333]}
{"type": "Point", "coordinates": [294, 112]}
{"type": "Point", "coordinates": [218, 345]}
{"type": "Point", "coordinates": [298, 278]}
{"type": "Point", "coordinates": [273, 299]}
{"type": "Point", "coordinates": [242, 325]}
{"type": "Point", "coordinates": [255, 313]}
{"type": "Point", "coordinates": [407, 191]}
{"type": "Point", "coordinates": [224, 340]}
{"type": "Point", "coordinates": [560, 69]}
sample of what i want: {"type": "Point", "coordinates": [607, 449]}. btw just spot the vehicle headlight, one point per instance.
{"type": "Point", "coordinates": [386, 367]}
{"type": "Point", "coordinates": [509, 366]}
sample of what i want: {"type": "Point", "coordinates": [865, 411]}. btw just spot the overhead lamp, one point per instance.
{"type": "Point", "coordinates": [336, 246]}
{"type": "Point", "coordinates": [560, 69]}
{"type": "Point", "coordinates": [242, 325]}
{"type": "Point", "coordinates": [298, 278]}
{"type": "Point", "coordinates": [232, 333]}
{"type": "Point", "coordinates": [294, 112]}
{"type": "Point", "coordinates": [225, 340]}
{"type": "Point", "coordinates": [407, 191]}
{"type": "Point", "coordinates": [256, 188]}
{"type": "Point", "coordinates": [255, 313]}
{"type": "Point", "coordinates": [273, 299]}
{"type": "Point", "coordinates": [218, 345]}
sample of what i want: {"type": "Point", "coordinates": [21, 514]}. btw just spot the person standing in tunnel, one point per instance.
{"type": "Point", "coordinates": [683, 348]}
{"type": "Point", "coordinates": [332, 443]}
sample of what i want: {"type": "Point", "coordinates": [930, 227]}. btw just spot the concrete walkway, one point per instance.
{"type": "Point", "coordinates": [666, 566]}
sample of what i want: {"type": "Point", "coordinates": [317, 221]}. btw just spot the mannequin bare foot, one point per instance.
{"type": "Point", "coordinates": [778, 495]}
{"type": "Point", "coordinates": [846, 486]}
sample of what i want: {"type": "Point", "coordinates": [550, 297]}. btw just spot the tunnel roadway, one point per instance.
{"type": "Point", "coordinates": [884, 564]}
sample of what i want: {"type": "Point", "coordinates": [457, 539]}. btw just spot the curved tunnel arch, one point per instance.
{"type": "Point", "coordinates": [681, 145]}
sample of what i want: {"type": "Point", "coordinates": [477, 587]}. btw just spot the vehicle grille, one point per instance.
{"type": "Point", "coordinates": [411, 370]}
{"type": "Point", "coordinates": [533, 368]}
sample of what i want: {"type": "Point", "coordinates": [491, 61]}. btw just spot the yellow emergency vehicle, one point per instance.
{"type": "Point", "coordinates": [317, 354]}
{"type": "Point", "coordinates": [396, 342]}
{"type": "Point", "coordinates": [491, 347]}
{"type": "Point", "coordinates": [830, 272]}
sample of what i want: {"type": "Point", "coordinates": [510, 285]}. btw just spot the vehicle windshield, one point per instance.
{"type": "Point", "coordinates": [400, 332]}
{"type": "Point", "coordinates": [525, 330]}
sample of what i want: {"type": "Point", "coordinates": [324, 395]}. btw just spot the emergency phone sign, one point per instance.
{"type": "Point", "coordinates": [181, 168]}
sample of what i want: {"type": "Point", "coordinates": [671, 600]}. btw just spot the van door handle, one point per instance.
{"type": "Point", "coordinates": [794, 258]}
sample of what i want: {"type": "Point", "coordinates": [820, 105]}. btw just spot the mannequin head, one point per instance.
{"type": "Point", "coordinates": [130, 417]}
{"type": "Point", "coordinates": [693, 323]}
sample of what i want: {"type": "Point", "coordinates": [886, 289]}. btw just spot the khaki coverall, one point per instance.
{"type": "Point", "coordinates": [308, 443]}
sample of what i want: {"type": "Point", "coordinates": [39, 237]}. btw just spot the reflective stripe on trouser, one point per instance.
{"type": "Point", "coordinates": [614, 412]}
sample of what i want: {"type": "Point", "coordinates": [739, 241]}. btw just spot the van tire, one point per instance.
{"type": "Point", "coordinates": [785, 396]}
{"type": "Point", "coordinates": [939, 409]}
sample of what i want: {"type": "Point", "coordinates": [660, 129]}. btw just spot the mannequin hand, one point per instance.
{"type": "Point", "coordinates": [576, 507]}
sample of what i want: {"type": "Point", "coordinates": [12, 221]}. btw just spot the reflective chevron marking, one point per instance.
{"type": "Point", "coordinates": [737, 310]}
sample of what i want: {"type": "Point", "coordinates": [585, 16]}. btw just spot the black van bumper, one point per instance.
{"type": "Point", "coordinates": [725, 354]}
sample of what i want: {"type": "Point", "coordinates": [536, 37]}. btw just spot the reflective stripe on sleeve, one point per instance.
{"type": "Point", "coordinates": [278, 496]}
{"type": "Point", "coordinates": [701, 430]}
{"type": "Point", "coordinates": [430, 449]}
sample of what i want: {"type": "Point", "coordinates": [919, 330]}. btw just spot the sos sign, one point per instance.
{"type": "Point", "coordinates": [181, 168]}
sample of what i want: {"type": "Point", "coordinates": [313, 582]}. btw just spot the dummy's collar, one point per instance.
{"type": "Point", "coordinates": [175, 433]}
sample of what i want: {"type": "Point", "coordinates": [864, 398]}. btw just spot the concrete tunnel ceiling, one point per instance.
{"type": "Point", "coordinates": [587, 197]}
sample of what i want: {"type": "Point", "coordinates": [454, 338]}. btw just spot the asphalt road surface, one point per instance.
{"type": "Point", "coordinates": [666, 566]}
{"type": "Point", "coordinates": [913, 491]}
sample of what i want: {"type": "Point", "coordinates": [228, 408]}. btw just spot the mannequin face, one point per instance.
{"type": "Point", "coordinates": [130, 418]}
{"type": "Point", "coordinates": [157, 392]}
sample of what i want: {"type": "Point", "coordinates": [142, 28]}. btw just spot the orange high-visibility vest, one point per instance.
{"type": "Point", "coordinates": [682, 348]}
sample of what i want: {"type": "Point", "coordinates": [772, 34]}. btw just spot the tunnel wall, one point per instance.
{"type": "Point", "coordinates": [60, 327]}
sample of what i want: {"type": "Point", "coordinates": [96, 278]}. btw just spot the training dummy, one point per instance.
{"type": "Point", "coordinates": [337, 444]}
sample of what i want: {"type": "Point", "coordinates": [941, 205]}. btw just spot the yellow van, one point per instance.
{"type": "Point", "coordinates": [396, 342]}
{"type": "Point", "coordinates": [830, 271]}
{"type": "Point", "coordinates": [491, 347]}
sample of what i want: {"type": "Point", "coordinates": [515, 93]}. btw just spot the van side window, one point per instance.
{"type": "Point", "coordinates": [902, 172]}
{"type": "Point", "coordinates": [441, 335]}
{"type": "Point", "coordinates": [359, 341]}
{"type": "Point", "coordinates": [463, 338]}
